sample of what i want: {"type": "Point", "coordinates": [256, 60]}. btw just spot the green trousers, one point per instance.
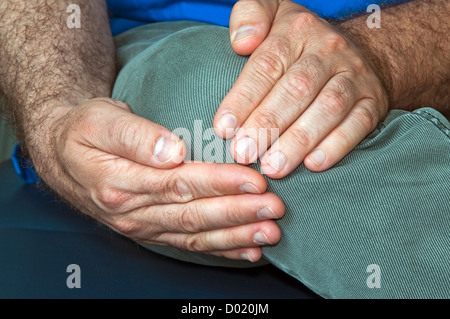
{"type": "Point", "coordinates": [377, 225]}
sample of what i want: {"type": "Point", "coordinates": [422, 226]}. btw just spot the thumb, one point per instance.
{"type": "Point", "coordinates": [250, 23]}
{"type": "Point", "coordinates": [130, 136]}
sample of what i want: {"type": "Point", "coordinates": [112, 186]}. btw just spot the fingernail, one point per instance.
{"type": "Point", "coordinates": [318, 157]}
{"type": "Point", "coordinates": [261, 239]}
{"type": "Point", "coordinates": [249, 188]}
{"type": "Point", "coordinates": [243, 33]}
{"type": "Point", "coordinates": [165, 148]}
{"type": "Point", "coordinates": [246, 149]}
{"type": "Point", "coordinates": [266, 213]}
{"type": "Point", "coordinates": [246, 257]}
{"type": "Point", "coordinates": [227, 124]}
{"type": "Point", "coordinates": [277, 161]}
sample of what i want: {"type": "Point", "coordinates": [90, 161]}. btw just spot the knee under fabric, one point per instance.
{"type": "Point", "coordinates": [374, 226]}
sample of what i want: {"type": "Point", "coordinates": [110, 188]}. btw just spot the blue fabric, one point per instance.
{"type": "Point", "coordinates": [128, 14]}
{"type": "Point", "coordinates": [23, 166]}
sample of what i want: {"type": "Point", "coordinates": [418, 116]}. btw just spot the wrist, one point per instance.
{"type": "Point", "coordinates": [373, 52]}
{"type": "Point", "coordinates": [39, 132]}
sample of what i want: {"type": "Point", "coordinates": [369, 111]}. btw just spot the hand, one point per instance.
{"type": "Point", "coordinates": [304, 78]}
{"type": "Point", "coordinates": [127, 172]}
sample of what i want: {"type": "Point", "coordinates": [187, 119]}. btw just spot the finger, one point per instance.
{"type": "Point", "coordinates": [359, 123]}
{"type": "Point", "coordinates": [264, 68]}
{"type": "Point", "coordinates": [252, 254]}
{"type": "Point", "coordinates": [193, 181]}
{"type": "Point", "coordinates": [145, 186]}
{"type": "Point", "coordinates": [250, 23]}
{"type": "Point", "coordinates": [212, 213]}
{"type": "Point", "coordinates": [244, 236]}
{"type": "Point", "coordinates": [117, 131]}
{"type": "Point", "coordinates": [295, 91]}
{"type": "Point", "coordinates": [326, 112]}
{"type": "Point", "coordinates": [199, 216]}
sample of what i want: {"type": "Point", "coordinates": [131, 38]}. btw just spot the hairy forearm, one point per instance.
{"type": "Point", "coordinates": [44, 63]}
{"type": "Point", "coordinates": [410, 52]}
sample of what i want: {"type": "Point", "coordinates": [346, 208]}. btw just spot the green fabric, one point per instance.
{"type": "Point", "coordinates": [386, 203]}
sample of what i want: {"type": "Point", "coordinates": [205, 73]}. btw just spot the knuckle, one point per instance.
{"type": "Point", "coordinates": [299, 85]}
{"type": "Point", "coordinates": [367, 116]}
{"type": "Point", "coordinates": [268, 66]}
{"type": "Point", "coordinates": [359, 66]}
{"type": "Point", "coordinates": [280, 46]}
{"type": "Point", "coordinates": [337, 98]}
{"type": "Point", "coordinates": [336, 43]}
{"type": "Point", "coordinates": [301, 137]}
{"type": "Point", "coordinates": [334, 103]}
{"type": "Point", "coordinates": [183, 191]}
{"type": "Point", "coordinates": [313, 65]}
{"type": "Point", "coordinates": [122, 130]}
{"type": "Point", "coordinates": [190, 220]}
{"type": "Point", "coordinates": [165, 188]}
{"type": "Point", "coordinates": [271, 62]}
{"type": "Point", "coordinates": [90, 108]}
{"type": "Point", "coordinates": [270, 118]}
{"type": "Point", "coordinates": [126, 226]}
{"type": "Point", "coordinates": [195, 243]}
{"type": "Point", "coordinates": [176, 188]}
{"type": "Point", "coordinates": [305, 21]}
{"type": "Point", "coordinates": [129, 135]}
{"type": "Point", "coordinates": [120, 104]}
{"type": "Point", "coordinates": [109, 198]}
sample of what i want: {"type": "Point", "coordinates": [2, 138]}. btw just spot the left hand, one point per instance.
{"type": "Point", "coordinates": [304, 78]}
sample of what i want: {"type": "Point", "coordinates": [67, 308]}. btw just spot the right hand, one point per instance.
{"type": "Point", "coordinates": [102, 159]}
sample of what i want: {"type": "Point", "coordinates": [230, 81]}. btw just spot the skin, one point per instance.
{"type": "Point", "coordinates": [326, 87]}
{"type": "Point", "coordinates": [100, 158]}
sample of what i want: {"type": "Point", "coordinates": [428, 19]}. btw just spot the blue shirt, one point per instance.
{"type": "Point", "coordinates": [127, 14]}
